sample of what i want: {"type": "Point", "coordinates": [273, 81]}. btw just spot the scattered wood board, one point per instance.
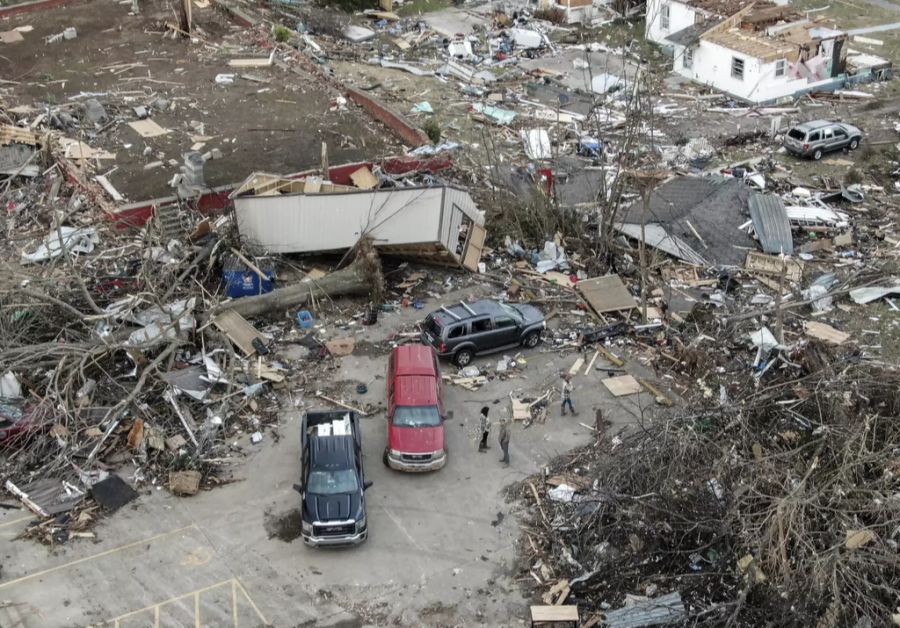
{"type": "Point", "coordinates": [568, 612]}
{"type": "Point", "coordinates": [606, 294]}
{"type": "Point", "coordinates": [660, 398]}
{"type": "Point", "coordinates": [260, 62]}
{"type": "Point", "coordinates": [339, 347]}
{"type": "Point", "coordinates": [570, 479]}
{"type": "Point", "coordinates": [147, 128]}
{"type": "Point", "coordinates": [364, 179]}
{"type": "Point", "coordinates": [110, 188]}
{"type": "Point", "coordinates": [238, 330]}
{"type": "Point", "coordinates": [622, 385]}
{"type": "Point", "coordinates": [825, 332]}
{"type": "Point", "coordinates": [590, 365]}
{"type": "Point", "coordinates": [771, 265]}
{"type": "Point", "coordinates": [577, 366]}
{"type": "Point", "coordinates": [469, 383]}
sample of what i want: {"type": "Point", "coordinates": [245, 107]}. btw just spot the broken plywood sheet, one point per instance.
{"type": "Point", "coordinates": [73, 149]}
{"type": "Point", "coordinates": [825, 332]}
{"type": "Point", "coordinates": [521, 411]}
{"type": "Point", "coordinates": [364, 179]}
{"type": "Point", "coordinates": [622, 385]}
{"type": "Point", "coordinates": [340, 347]}
{"type": "Point", "coordinates": [606, 294]}
{"type": "Point", "coordinates": [238, 330]}
{"type": "Point", "coordinates": [147, 128]}
{"type": "Point", "coordinates": [771, 265]}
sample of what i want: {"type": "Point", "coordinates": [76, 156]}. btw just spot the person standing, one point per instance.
{"type": "Point", "coordinates": [484, 425]}
{"type": "Point", "coordinates": [567, 394]}
{"type": "Point", "coordinates": [503, 437]}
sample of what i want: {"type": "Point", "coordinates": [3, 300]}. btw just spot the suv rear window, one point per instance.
{"type": "Point", "coordinates": [433, 327]}
{"type": "Point", "coordinates": [796, 134]}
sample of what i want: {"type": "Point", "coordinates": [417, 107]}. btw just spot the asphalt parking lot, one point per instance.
{"type": "Point", "coordinates": [440, 550]}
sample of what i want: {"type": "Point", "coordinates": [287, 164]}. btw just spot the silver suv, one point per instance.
{"type": "Point", "coordinates": [814, 139]}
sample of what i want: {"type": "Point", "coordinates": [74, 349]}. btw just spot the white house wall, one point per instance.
{"type": "Point", "coordinates": [303, 223]}
{"type": "Point", "coordinates": [680, 16]}
{"type": "Point", "coordinates": [712, 66]}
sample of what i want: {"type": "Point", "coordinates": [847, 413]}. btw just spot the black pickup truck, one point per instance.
{"type": "Point", "coordinates": [332, 482]}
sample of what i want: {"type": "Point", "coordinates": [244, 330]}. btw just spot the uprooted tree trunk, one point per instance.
{"type": "Point", "coordinates": [361, 277]}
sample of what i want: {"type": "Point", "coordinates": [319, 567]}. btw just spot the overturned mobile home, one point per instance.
{"type": "Point", "coordinates": [439, 224]}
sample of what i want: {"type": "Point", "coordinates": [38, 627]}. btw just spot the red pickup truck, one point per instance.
{"type": "Point", "coordinates": [415, 410]}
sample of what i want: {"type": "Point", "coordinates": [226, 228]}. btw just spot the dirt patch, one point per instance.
{"type": "Point", "coordinates": [271, 118]}
{"type": "Point", "coordinates": [284, 527]}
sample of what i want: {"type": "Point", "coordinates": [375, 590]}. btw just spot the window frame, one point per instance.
{"type": "Point", "coordinates": [737, 68]}
{"type": "Point", "coordinates": [687, 58]}
{"type": "Point", "coordinates": [665, 16]}
{"type": "Point", "coordinates": [780, 68]}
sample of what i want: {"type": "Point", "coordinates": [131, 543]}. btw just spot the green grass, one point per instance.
{"type": "Point", "coordinates": [416, 7]}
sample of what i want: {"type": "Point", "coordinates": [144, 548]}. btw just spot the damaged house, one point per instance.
{"type": "Point", "coordinates": [695, 219]}
{"type": "Point", "coordinates": [434, 224]}
{"type": "Point", "coordinates": [758, 52]}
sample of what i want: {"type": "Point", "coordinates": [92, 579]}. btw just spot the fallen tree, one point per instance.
{"type": "Point", "coordinates": [362, 277]}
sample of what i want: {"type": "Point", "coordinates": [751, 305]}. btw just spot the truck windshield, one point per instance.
{"type": "Point", "coordinates": [332, 482]}
{"type": "Point", "coordinates": [417, 416]}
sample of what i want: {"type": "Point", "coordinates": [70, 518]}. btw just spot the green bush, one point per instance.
{"type": "Point", "coordinates": [433, 130]}
{"type": "Point", "coordinates": [282, 33]}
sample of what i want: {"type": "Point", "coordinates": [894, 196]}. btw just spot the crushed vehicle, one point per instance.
{"type": "Point", "coordinates": [814, 139]}
{"type": "Point", "coordinates": [333, 483]}
{"type": "Point", "coordinates": [462, 331]}
{"type": "Point", "coordinates": [415, 410]}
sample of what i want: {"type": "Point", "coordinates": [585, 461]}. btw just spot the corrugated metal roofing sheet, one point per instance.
{"type": "Point", "coordinates": [770, 221]}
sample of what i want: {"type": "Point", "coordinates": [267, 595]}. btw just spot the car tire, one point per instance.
{"type": "Point", "coordinates": [384, 458]}
{"type": "Point", "coordinates": [463, 357]}
{"type": "Point", "coordinates": [817, 155]}
{"type": "Point", "coordinates": [531, 339]}
{"type": "Point", "coordinates": [854, 143]}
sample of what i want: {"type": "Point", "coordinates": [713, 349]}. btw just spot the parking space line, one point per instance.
{"type": "Point", "coordinates": [15, 521]}
{"type": "Point", "coordinates": [108, 552]}
{"type": "Point", "coordinates": [235, 586]}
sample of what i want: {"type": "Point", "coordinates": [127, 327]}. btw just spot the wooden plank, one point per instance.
{"type": "Point", "coordinates": [474, 246]}
{"type": "Point", "coordinates": [147, 128]}
{"type": "Point", "coordinates": [566, 612]}
{"type": "Point", "coordinates": [609, 355]}
{"type": "Point", "coordinates": [238, 330]}
{"type": "Point", "coordinates": [110, 189]}
{"type": "Point", "coordinates": [261, 62]}
{"type": "Point", "coordinates": [825, 332]}
{"type": "Point", "coordinates": [577, 366]}
{"type": "Point", "coordinates": [10, 134]}
{"type": "Point", "coordinates": [590, 365]}
{"type": "Point", "coordinates": [660, 398]}
{"type": "Point", "coordinates": [606, 294]}
{"type": "Point", "coordinates": [622, 385]}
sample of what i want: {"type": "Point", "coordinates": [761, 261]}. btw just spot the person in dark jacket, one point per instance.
{"type": "Point", "coordinates": [503, 437]}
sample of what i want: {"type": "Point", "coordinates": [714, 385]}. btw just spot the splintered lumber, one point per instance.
{"type": "Point", "coordinates": [611, 356]}
{"type": "Point", "coordinates": [469, 383]}
{"type": "Point", "coordinates": [660, 398]}
{"type": "Point", "coordinates": [347, 406]}
{"type": "Point", "coordinates": [590, 365]}
{"type": "Point", "coordinates": [357, 279]}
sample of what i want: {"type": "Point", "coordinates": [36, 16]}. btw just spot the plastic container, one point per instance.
{"type": "Point", "coordinates": [240, 281]}
{"type": "Point", "coordinates": [305, 319]}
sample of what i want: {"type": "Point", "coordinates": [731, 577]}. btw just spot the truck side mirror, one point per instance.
{"type": "Point", "coordinates": [367, 485]}
{"type": "Point", "coordinates": [298, 488]}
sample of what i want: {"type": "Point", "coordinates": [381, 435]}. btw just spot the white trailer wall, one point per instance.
{"type": "Point", "coordinates": [305, 223]}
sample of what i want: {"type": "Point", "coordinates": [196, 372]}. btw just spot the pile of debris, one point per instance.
{"type": "Point", "coordinates": [780, 503]}
{"type": "Point", "coordinates": [127, 352]}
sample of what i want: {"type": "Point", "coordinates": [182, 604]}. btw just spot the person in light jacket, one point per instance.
{"type": "Point", "coordinates": [566, 391]}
